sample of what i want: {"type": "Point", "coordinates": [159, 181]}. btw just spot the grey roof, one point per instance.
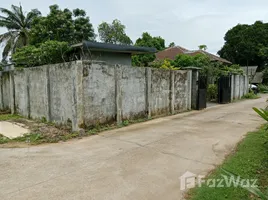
{"type": "Point", "coordinates": [97, 46]}
{"type": "Point", "coordinates": [258, 78]}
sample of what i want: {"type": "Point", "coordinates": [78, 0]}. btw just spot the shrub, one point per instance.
{"type": "Point", "coordinates": [49, 52]}
{"type": "Point", "coordinates": [263, 88]}
{"type": "Point", "coordinates": [212, 92]}
{"type": "Point", "coordinates": [250, 95]}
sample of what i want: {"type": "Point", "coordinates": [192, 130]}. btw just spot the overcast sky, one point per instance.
{"type": "Point", "coordinates": [188, 23]}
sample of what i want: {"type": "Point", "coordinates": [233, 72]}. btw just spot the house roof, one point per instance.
{"type": "Point", "coordinates": [172, 52]}
{"type": "Point", "coordinates": [258, 78]}
{"type": "Point", "coordinates": [212, 57]}
{"type": "Point", "coordinates": [97, 46]}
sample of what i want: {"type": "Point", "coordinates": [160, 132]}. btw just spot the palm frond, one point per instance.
{"type": "Point", "coordinates": [262, 113]}
{"type": "Point", "coordinates": [7, 49]}
{"type": "Point", "coordinates": [11, 16]}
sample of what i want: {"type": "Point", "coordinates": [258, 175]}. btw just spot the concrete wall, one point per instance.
{"type": "Point", "coordinates": [89, 93]}
{"type": "Point", "coordinates": [239, 86]}
{"type": "Point", "coordinates": [5, 90]}
{"type": "Point", "coordinates": [99, 93]}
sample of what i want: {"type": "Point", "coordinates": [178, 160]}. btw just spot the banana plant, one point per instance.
{"type": "Point", "coordinates": [263, 113]}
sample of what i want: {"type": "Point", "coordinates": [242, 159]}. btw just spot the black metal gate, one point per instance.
{"type": "Point", "coordinates": [224, 89]}
{"type": "Point", "coordinates": [202, 93]}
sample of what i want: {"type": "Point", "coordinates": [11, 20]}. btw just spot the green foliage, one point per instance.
{"type": "Point", "coordinates": [212, 92]}
{"type": "Point", "coordinates": [265, 76]}
{"type": "Point", "coordinates": [253, 190]}
{"type": "Point", "coordinates": [5, 117]}
{"type": "Point", "coordinates": [49, 52]}
{"type": "Point", "coordinates": [62, 25]}
{"type": "Point", "coordinates": [263, 88]}
{"type": "Point", "coordinates": [184, 60]}
{"type": "Point", "coordinates": [233, 69]}
{"type": "Point", "coordinates": [246, 44]}
{"type": "Point", "coordinates": [147, 41]}
{"type": "Point", "coordinates": [250, 95]}
{"type": "Point", "coordinates": [263, 113]}
{"type": "Point", "coordinates": [163, 64]}
{"type": "Point", "coordinates": [113, 33]}
{"type": "Point", "coordinates": [18, 24]}
{"type": "Point", "coordinates": [203, 47]}
{"type": "Point", "coordinates": [172, 44]}
{"type": "Point", "coordinates": [249, 161]}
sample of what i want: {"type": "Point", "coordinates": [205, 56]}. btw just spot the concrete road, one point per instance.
{"type": "Point", "coordinates": [142, 161]}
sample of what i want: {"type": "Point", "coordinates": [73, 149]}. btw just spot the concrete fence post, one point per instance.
{"type": "Point", "coordinates": [118, 93]}
{"type": "Point", "coordinates": [12, 92]}
{"type": "Point", "coordinates": [148, 95]}
{"type": "Point", "coordinates": [48, 99]}
{"type": "Point", "coordinates": [194, 89]}
{"type": "Point", "coordinates": [189, 89]}
{"type": "Point", "coordinates": [77, 97]}
{"type": "Point", "coordinates": [232, 87]}
{"type": "Point", "coordinates": [1, 92]}
{"type": "Point", "coordinates": [28, 95]}
{"type": "Point", "coordinates": [172, 91]}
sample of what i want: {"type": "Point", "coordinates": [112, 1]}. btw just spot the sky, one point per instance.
{"type": "Point", "coordinates": [188, 23]}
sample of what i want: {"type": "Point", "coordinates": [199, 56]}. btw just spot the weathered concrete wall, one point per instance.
{"type": "Point", "coordinates": [89, 93]}
{"type": "Point", "coordinates": [160, 92]}
{"type": "Point", "coordinates": [61, 91]}
{"type": "Point", "coordinates": [99, 93]}
{"type": "Point", "coordinates": [21, 92]}
{"type": "Point", "coordinates": [38, 94]}
{"type": "Point", "coordinates": [181, 90]}
{"type": "Point", "coordinates": [133, 84]}
{"type": "Point", "coordinates": [239, 86]}
{"type": "Point", "coordinates": [5, 90]}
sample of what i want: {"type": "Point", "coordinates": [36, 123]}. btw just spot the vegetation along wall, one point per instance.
{"type": "Point", "coordinates": [89, 93]}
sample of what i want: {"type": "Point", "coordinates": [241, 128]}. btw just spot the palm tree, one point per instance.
{"type": "Point", "coordinates": [18, 24]}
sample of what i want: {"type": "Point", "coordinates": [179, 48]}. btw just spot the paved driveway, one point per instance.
{"type": "Point", "coordinates": [142, 161]}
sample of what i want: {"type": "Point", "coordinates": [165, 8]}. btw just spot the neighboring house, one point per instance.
{"type": "Point", "coordinates": [172, 52]}
{"type": "Point", "coordinates": [110, 53]}
{"type": "Point", "coordinates": [254, 76]}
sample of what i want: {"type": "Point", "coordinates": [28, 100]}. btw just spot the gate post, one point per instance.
{"type": "Point", "coordinates": [194, 89]}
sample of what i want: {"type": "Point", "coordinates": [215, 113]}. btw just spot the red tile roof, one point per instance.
{"type": "Point", "coordinates": [172, 52]}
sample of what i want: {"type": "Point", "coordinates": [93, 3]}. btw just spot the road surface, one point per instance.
{"type": "Point", "coordinates": [140, 162]}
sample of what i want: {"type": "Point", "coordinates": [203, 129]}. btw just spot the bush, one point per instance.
{"type": "Point", "coordinates": [49, 52]}
{"type": "Point", "coordinates": [263, 88]}
{"type": "Point", "coordinates": [250, 95]}
{"type": "Point", "coordinates": [212, 92]}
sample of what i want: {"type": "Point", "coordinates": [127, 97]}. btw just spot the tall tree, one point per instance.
{"type": "Point", "coordinates": [113, 33]}
{"type": "Point", "coordinates": [244, 43]}
{"type": "Point", "coordinates": [147, 41]}
{"type": "Point", "coordinates": [62, 25]}
{"type": "Point", "coordinates": [18, 24]}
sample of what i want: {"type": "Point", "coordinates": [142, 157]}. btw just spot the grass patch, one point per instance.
{"type": "Point", "coordinates": [5, 117]}
{"type": "Point", "coordinates": [251, 95]}
{"type": "Point", "coordinates": [250, 161]}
